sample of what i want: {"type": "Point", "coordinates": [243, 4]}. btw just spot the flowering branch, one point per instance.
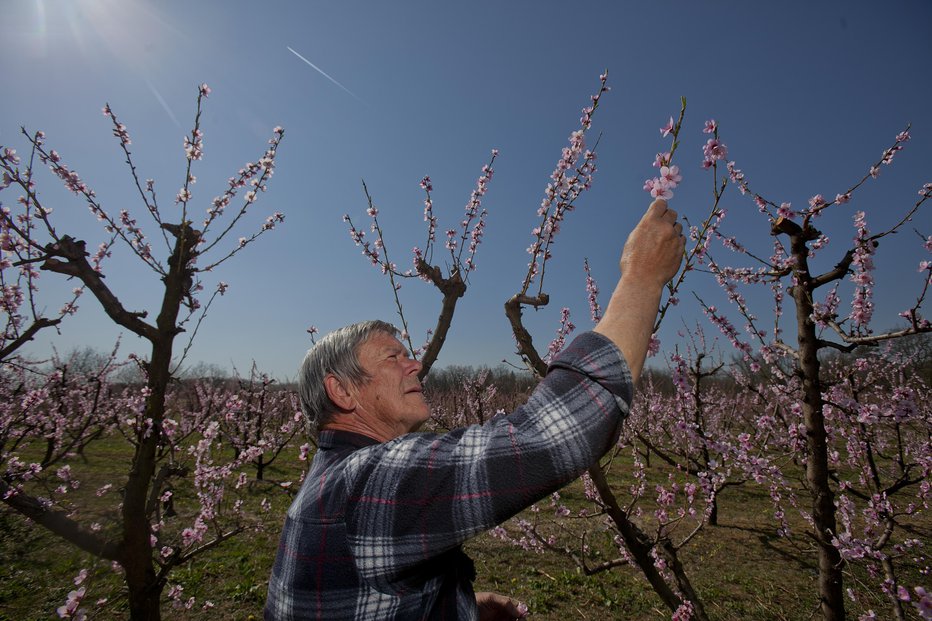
{"type": "Point", "coordinates": [453, 286]}
{"type": "Point", "coordinates": [562, 191]}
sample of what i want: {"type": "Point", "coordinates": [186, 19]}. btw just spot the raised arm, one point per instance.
{"type": "Point", "coordinates": [651, 257]}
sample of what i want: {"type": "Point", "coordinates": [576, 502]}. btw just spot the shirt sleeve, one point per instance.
{"type": "Point", "coordinates": [418, 496]}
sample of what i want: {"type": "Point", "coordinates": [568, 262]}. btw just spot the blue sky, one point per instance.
{"type": "Point", "coordinates": [807, 96]}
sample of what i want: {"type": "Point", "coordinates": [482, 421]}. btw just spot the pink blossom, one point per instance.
{"type": "Point", "coordinates": [816, 201]}
{"type": "Point", "coordinates": [653, 346]}
{"type": "Point", "coordinates": [204, 90]}
{"type": "Point", "coordinates": [712, 151]}
{"type": "Point", "coordinates": [661, 189]}
{"type": "Point", "coordinates": [737, 177]}
{"type": "Point", "coordinates": [923, 603]}
{"type": "Point", "coordinates": [671, 174]}
{"type": "Point", "coordinates": [666, 129]}
{"type": "Point", "coordinates": [70, 610]}
{"type": "Point", "coordinates": [684, 612]}
{"type": "Point", "coordinates": [710, 127]}
{"type": "Point", "coordinates": [304, 452]}
{"type": "Point", "coordinates": [785, 211]}
{"type": "Point", "coordinates": [889, 153]}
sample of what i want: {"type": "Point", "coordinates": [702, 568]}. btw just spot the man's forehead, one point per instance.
{"type": "Point", "coordinates": [381, 342]}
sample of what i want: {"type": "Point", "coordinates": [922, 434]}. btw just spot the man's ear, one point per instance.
{"type": "Point", "coordinates": [338, 393]}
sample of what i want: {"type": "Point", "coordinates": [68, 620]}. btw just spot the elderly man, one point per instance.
{"type": "Point", "coordinates": [376, 531]}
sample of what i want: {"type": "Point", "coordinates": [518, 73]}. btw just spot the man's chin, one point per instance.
{"type": "Point", "coordinates": [424, 419]}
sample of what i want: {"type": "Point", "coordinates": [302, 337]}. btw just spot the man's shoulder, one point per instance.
{"type": "Point", "coordinates": [334, 467]}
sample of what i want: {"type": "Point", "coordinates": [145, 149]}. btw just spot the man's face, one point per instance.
{"type": "Point", "coordinates": [392, 397]}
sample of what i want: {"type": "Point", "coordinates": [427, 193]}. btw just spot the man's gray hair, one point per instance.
{"type": "Point", "coordinates": [336, 354]}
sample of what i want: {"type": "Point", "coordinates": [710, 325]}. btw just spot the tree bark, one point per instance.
{"type": "Point", "coordinates": [145, 588]}
{"type": "Point", "coordinates": [452, 288]}
{"type": "Point", "coordinates": [831, 592]}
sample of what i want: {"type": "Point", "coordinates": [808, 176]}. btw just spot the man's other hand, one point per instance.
{"type": "Point", "coordinates": [495, 607]}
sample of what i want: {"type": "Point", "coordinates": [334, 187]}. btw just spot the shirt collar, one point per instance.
{"type": "Point", "coordinates": [337, 438]}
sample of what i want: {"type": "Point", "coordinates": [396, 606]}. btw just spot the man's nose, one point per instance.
{"type": "Point", "coordinates": [415, 366]}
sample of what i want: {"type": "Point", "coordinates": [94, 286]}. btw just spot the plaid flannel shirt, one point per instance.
{"type": "Point", "coordinates": [376, 529]}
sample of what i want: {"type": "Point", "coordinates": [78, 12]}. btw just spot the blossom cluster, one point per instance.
{"type": "Point", "coordinates": [714, 150]}
{"type": "Point", "coordinates": [571, 177]}
{"type": "Point", "coordinates": [253, 175]}
{"type": "Point", "coordinates": [862, 306]}
{"type": "Point", "coordinates": [566, 328]}
{"type": "Point", "coordinates": [592, 294]}
{"type": "Point", "coordinates": [662, 186]}
{"type": "Point", "coordinates": [472, 212]}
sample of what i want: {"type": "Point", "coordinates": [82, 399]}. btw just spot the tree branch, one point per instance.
{"type": "Point", "coordinates": [59, 523]}
{"type": "Point", "coordinates": [26, 336]}
{"type": "Point", "coordinates": [523, 338]}
{"type": "Point", "coordinates": [76, 265]}
{"type": "Point", "coordinates": [452, 288]}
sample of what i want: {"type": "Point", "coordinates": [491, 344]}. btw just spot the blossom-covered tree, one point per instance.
{"type": "Point", "coordinates": [145, 543]}
{"type": "Point", "coordinates": [259, 416]}
{"type": "Point", "coordinates": [822, 404]}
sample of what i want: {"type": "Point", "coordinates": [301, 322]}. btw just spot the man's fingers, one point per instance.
{"type": "Point", "coordinates": [494, 606]}
{"type": "Point", "coordinates": [659, 209]}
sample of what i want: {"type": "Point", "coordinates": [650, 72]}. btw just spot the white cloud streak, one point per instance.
{"type": "Point", "coordinates": [163, 103]}
{"type": "Point", "coordinates": [323, 73]}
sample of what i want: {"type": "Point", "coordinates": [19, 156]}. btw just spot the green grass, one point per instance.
{"type": "Point", "coordinates": [741, 568]}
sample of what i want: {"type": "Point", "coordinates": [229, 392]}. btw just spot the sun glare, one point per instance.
{"type": "Point", "coordinates": [124, 31]}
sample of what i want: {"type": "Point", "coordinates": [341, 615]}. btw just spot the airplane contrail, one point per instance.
{"type": "Point", "coordinates": [323, 73]}
{"type": "Point", "coordinates": [163, 103]}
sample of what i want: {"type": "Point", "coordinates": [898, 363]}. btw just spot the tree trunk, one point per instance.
{"type": "Point", "coordinates": [713, 514]}
{"type": "Point", "coordinates": [831, 592]}
{"type": "Point", "coordinates": [260, 468]}
{"type": "Point", "coordinates": [145, 589]}
{"type": "Point", "coordinates": [640, 545]}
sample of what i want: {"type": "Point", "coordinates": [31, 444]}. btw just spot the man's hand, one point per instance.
{"type": "Point", "coordinates": [495, 607]}
{"type": "Point", "coordinates": [651, 257]}
{"type": "Point", "coordinates": [654, 249]}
